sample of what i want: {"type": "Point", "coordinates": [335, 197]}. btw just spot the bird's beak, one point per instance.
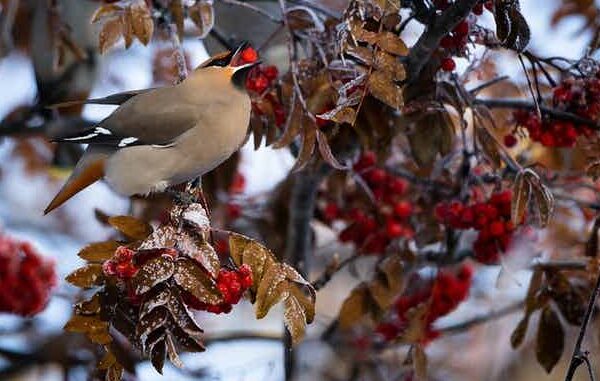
{"type": "Point", "coordinates": [247, 66]}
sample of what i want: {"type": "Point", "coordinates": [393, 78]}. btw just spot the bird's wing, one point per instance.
{"type": "Point", "coordinates": [156, 117]}
{"type": "Point", "coordinates": [113, 99]}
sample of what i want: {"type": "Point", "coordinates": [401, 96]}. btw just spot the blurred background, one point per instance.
{"type": "Point", "coordinates": [32, 170]}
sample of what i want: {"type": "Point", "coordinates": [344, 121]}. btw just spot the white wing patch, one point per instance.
{"type": "Point", "coordinates": [97, 131]}
{"type": "Point", "coordinates": [127, 141]}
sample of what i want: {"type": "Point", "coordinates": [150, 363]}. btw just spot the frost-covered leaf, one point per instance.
{"type": "Point", "coordinates": [153, 272]}
{"type": "Point", "coordinates": [203, 15]}
{"type": "Point", "coordinates": [194, 280]}
{"type": "Point", "coordinates": [382, 87]}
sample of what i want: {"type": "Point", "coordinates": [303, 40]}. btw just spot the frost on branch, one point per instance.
{"type": "Point", "coordinates": [148, 284]}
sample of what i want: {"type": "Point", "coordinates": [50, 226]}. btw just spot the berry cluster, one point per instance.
{"type": "Point", "coordinates": [442, 296]}
{"type": "Point", "coordinates": [231, 284]}
{"type": "Point", "coordinates": [259, 80]}
{"type": "Point", "coordinates": [455, 43]}
{"type": "Point", "coordinates": [577, 96]}
{"type": "Point", "coordinates": [26, 278]}
{"type": "Point", "coordinates": [491, 219]}
{"type": "Point", "coordinates": [372, 230]}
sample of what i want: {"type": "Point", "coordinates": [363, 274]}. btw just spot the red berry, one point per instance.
{"type": "Point", "coordinates": [478, 9]}
{"type": "Point", "coordinates": [331, 211]}
{"type": "Point", "coordinates": [260, 84]}
{"type": "Point", "coordinates": [398, 186]}
{"type": "Point", "coordinates": [403, 209]}
{"type": "Point", "coordinates": [270, 72]}
{"type": "Point", "coordinates": [394, 229]}
{"type": "Point", "coordinates": [376, 176]}
{"type": "Point", "coordinates": [497, 228]}
{"type": "Point", "coordinates": [462, 29]}
{"type": "Point", "coordinates": [489, 5]}
{"type": "Point", "coordinates": [510, 140]}
{"type": "Point", "coordinates": [249, 55]}
{"type": "Point", "coordinates": [448, 64]}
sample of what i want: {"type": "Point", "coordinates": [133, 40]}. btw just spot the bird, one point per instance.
{"type": "Point", "coordinates": [160, 137]}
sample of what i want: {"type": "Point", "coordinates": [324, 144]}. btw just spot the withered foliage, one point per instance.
{"type": "Point", "coordinates": [173, 262]}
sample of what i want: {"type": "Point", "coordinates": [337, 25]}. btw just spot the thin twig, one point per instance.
{"type": "Point", "coordinates": [253, 8]}
{"type": "Point", "coordinates": [526, 105]}
{"type": "Point", "coordinates": [578, 356]}
{"type": "Point", "coordinates": [322, 280]}
{"type": "Point", "coordinates": [487, 84]}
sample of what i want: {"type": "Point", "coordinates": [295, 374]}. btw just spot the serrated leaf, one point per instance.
{"type": "Point", "coordinates": [99, 251]}
{"type": "Point", "coordinates": [518, 334]}
{"type": "Point", "coordinates": [355, 307]}
{"type": "Point", "coordinates": [382, 87]}
{"type": "Point", "coordinates": [489, 146]}
{"type": "Point", "coordinates": [91, 306]}
{"type": "Point", "coordinates": [158, 354]}
{"type": "Point", "coordinates": [183, 318]}
{"type": "Point", "coordinates": [294, 319]}
{"type": "Point", "coordinates": [131, 227]}
{"type": "Point", "coordinates": [550, 339]}
{"type": "Point", "coordinates": [340, 114]}
{"type": "Point", "coordinates": [155, 271]}
{"type": "Point", "coordinates": [203, 15]}
{"type": "Point", "coordinates": [194, 280]}
{"type": "Point", "coordinates": [208, 258]}
{"type": "Point", "coordinates": [154, 320]}
{"type": "Point", "coordinates": [141, 21]}
{"type": "Point", "coordinates": [85, 324]}
{"type": "Point", "coordinates": [189, 343]}
{"type": "Point", "coordinates": [521, 192]}
{"type": "Point", "coordinates": [110, 33]}
{"type": "Point", "coordinates": [391, 43]}
{"type": "Point", "coordinates": [87, 276]}
{"type": "Point", "coordinates": [389, 64]}
{"type": "Point", "coordinates": [271, 289]}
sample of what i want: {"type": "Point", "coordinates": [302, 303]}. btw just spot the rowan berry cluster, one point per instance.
{"type": "Point", "coordinates": [441, 296]}
{"type": "Point", "coordinates": [231, 284]}
{"type": "Point", "coordinates": [259, 80]}
{"type": "Point", "coordinates": [373, 228]}
{"type": "Point", "coordinates": [454, 44]}
{"type": "Point", "coordinates": [580, 97]}
{"type": "Point", "coordinates": [26, 278]}
{"type": "Point", "coordinates": [492, 220]}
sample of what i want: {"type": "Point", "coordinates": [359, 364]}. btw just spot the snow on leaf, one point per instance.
{"type": "Point", "coordinates": [194, 280]}
{"type": "Point", "coordinates": [99, 251]}
{"type": "Point", "coordinates": [87, 276]}
{"type": "Point", "coordinates": [155, 271]}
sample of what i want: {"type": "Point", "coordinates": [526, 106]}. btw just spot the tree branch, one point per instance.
{"type": "Point", "coordinates": [429, 41]}
{"type": "Point", "coordinates": [299, 234]}
{"type": "Point", "coordinates": [578, 356]}
{"type": "Point", "coordinates": [526, 105]}
{"type": "Point", "coordinates": [492, 315]}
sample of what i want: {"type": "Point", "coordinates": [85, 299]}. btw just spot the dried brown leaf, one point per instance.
{"type": "Point", "coordinates": [355, 307]}
{"type": "Point", "coordinates": [419, 363]}
{"type": "Point", "coordinates": [87, 276]}
{"type": "Point", "coordinates": [110, 33]}
{"type": "Point", "coordinates": [197, 282]}
{"type": "Point", "coordinates": [99, 252]}
{"type": "Point", "coordinates": [550, 340]}
{"type": "Point", "coordinates": [153, 272]}
{"type": "Point", "coordinates": [131, 227]}
{"type": "Point", "coordinates": [382, 87]}
{"type": "Point", "coordinates": [391, 43]}
{"type": "Point", "coordinates": [141, 20]}
{"type": "Point", "coordinates": [203, 15]}
{"type": "Point", "coordinates": [521, 193]}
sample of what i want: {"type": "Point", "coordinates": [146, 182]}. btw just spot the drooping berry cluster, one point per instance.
{"type": "Point", "coordinates": [373, 227]}
{"type": "Point", "coordinates": [492, 220]}
{"type": "Point", "coordinates": [259, 81]}
{"type": "Point", "coordinates": [454, 44]}
{"type": "Point", "coordinates": [26, 278]}
{"type": "Point", "coordinates": [440, 296]}
{"type": "Point", "coordinates": [577, 96]}
{"type": "Point", "coordinates": [231, 284]}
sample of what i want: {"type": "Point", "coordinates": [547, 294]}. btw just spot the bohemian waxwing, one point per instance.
{"type": "Point", "coordinates": [165, 136]}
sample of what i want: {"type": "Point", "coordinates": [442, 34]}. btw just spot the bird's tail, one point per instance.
{"type": "Point", "coordinates": [89, 170]}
